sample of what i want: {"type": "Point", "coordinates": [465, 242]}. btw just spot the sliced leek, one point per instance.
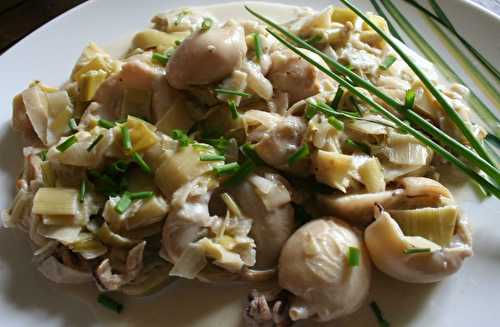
{"type": "Point", "coordinates": [55, 201]}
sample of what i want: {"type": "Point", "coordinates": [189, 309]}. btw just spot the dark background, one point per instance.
{"type": "Point", "coordinates": [18, 18]}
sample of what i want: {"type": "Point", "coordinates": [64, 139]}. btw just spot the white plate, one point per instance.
{"type": "Point", "coordinates": [27, 299]}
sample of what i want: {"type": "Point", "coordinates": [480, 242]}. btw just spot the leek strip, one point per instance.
{"type": "Point", "coordinates": [490, 67]}
{"type": "Point", "coordinates": [412, 116]}
{"type": "Point", "coordinates": [388, 115]}
{"type": "Point", "coordinates": [455, 117]}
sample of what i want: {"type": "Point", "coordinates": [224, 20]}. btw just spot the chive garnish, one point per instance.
{"type": "Point", "coordinates": [212, 157]}
{"type": "Point", "coordinates": [258, 46]}
{"type": "Point", "coordinates": [416, 250]}
{"type": "Point", "coordinates": [118, 167]}
{"type": "Point", "coordinates": [110, 303]}
{"type": "Point", "coordinates": [358, 145]}
{"type": "Point", "coordinates": [123, 204]}
{"type": "Point", "coordinates": [105, 123]}
{"type": "Point", "coordinates": [378, 314]}
{"type": "Point", "coordinates": [160, 58]}
{"type": "Point", "coordinates": [233, 108]}
{"type": "Point", "coordinates": [140, 161]}
{"type": "Point", "coordinates": [413, 117]}
{"type": "Point", "coordinates": [315, 39]}
{"type": "Point", "coordinates": [181, 137]}
{"type": "Point", "coordinates": [94, 143]}
{"type": "Point", "coordinates": [388, 61]}
{"type": "Point", "coordinates": [43, 155]}
{"type": "Point", "coordinates": [353, 256]}
{"type": "Point", "coordinates": [82, 192]}
{"type": "Point", "coordinates": [243, 172]}
{"type": "Point", "coordinates": [227, 169]}
{"type": "Point", "coordinates": [66, 144]}
{"type": "Point", "coordinates": [248, 151]}
{"type": "Point", "coordinates": [232, 92]}
{"type": "Point", "coordinates": [301, 153]}
{"type": "Point", "coordinates": [206, 24]}
{"type": "Point", "coordinates": [410, 99]}
{"type": "Point", "coordinates": [337, 98]}
{"type": "Point", "coordinates": [141, 195]}
{"type": "Point", "coordinates": [73, 127]}
{"type": "Point", "coordinates": [177, 43]}
{"type": "Point", "coordinates": [126, 140]}
{"type": "Point", "coordinates": [339, 125]}
{"type": "Point", "coordinates": [220, 144]}
{"type": "Point", "coordinates": [356, 105]}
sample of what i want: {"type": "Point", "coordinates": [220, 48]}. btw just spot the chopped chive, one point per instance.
{"type": "Point", "coordinates": [83, 191]}
{"type": "Point", "coordinates": [314, 40]}
{"type": "Point", "coordinates": [140, 161]}
{"type": "Point", "coordinates": [66, 144]}
{"type": "Point", "coordinates": [353, 256]}
{"type": "Point", "coordinates": [201, 146]}
{"type": "Point", "coordinates": [105, 123]}
{"type": "Point", "coordinates": [181, 137]}
{"type": "Point", "coordinates": [378, 314]}
{"type": "Point", "coordinates": [337, 98]}
{"type": "Point", "coordinates": [301, 153]}
{"type": "Point", "coordinates": [118, 167]}
{"type": "Point", "coordinates": [358, 145]}
{"type": "Point", "coordinates": [310, 111]}
{"type": "Point", "coordinates": [72, 125]}
{"type": "Point", "coordinates": [43, 155]}
{"type": "Point", "coordinates": [233, 108]}
{"type": "Point", "coordinates": [206, 24]}
{"type": "Point", "coordinates": [410, 99]}
{"type": "Point", "coordinates": [248, 151]}
{"type": "Point", "coordinates": [126, 140]}
{"type": "Point", "coordinates": [212, 157]}
{"type": "Point", "coordinates": [388, 61]}
{"type": "Point", "coordinates": [227, 169]}
{"type": "Point", "coordinates": [258, 46]}
{"type": "Point", "coordinates": [141, 195]}
{"type": "Point", "coordinates": [94, 143]}
{"type": "Point", "coordinates": [245, 170]}
{"type": "Point", "coordinates": [356, 105]}
{"type": "Point", "coordinates": [177, 42]}
{"type": "Point", "coordinates": [160, 58]}
{"type": "Point", "coordinates": [110, 303]}
{"type": "Point", "coordinates": [232, 92]}
{"type": "Point", "coordinates": [123, 204]}
{"type": "Point", "coordinates": [416, 250]}
{"type": "Point", "coordinates": [220, 144]}
{"type": "Point", "coordinates": [339, 125]}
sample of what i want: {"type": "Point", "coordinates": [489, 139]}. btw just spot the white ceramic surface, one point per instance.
{"type": "Point", "coordinates": [27, 299]}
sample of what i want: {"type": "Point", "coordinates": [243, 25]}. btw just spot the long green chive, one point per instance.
{"type": "Point", "coordinates": [416, 250]}
{"type": "Point", "coordinates": [454, 116]}
{"type": "Point", "coordinates": [315, 39]}
{"type": "Point", "coordinates": [378, 314]}
{"type": "Point", "coordinates": [492, 69]}
{"type": "Point", "coordinates": [232, 92]}
{"type": "Point", "coordinates": [73, 127]}
{"type": "Point", "coordinates": [388, 61]}
{"type": "Point", "coordinates": [358, 145]}
{"type": "Point", "coordinates": [470, 155]}
{"type": "Point", "coordinates": [126, 140]}
{"type": "Point", "coordinates": [234, 109]}
{"type": "Point", "coordinates": [66, 144]}
{"type": "Point", "coordinates": [301, 153]}
{"type": "Point", "coordinates": [83, 191]}
{"type": "Point", "coordinates": [227, 169]}
{"type": "Point", "coordinates": [123, 204]}
{"type": "Point", "coordinates": [212, 157]}
{"type": "Point", "coordinates": [248, 151]}
{"type": "Point", "coordinates": [160, 58]}
{"type": "Point", "coordinates": [110, 303]}
{"type": "Point", "coordinates": [412, 116]}
{"type": "Point", "coordinates": [355, 105]}
{"type": "Point", "coordinates": [337, 98]}
{"type": "Point", "coordinates": [339, 125]}
{"type": "Point", "coordinates": [243, 172]}
{"type": "Point", "coordinates": [181, 137]}
{"type": "Point", "coordinates": [410, 99]}
{"type": "Point", "coordinates": [258, 46]}
{"type": "Point", "coordinates": [353, 256]}
{"type": "Point", "coordinates": [43, 155]}
{"type": "Point", "coordinates": [141, 195]}
{"type": "Point", "coordinates": [142, 164]}
{"type": "Point", "coordinates": [94, 143]}
{"type": "Point", "coordinates": [206, 24]}
{"type": "Point", "coordinates": [105, 123]}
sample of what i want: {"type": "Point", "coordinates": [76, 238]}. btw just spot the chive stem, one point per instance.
{"type": "Point", "coordinates": [301, 153]}
{"type": "Point", "coordinates": [232, 92]}
{"type": "Point", "coordinates": [388, 61]}
{"type": "Point", "coordinates": [123, 204]}
{"type": "Point", "coordinates": [337, 98]}
{"type": "Point", "coordinates": [353, 256]}
{"type": "Point", "coordinates": [233, 108]}
{"type": "Point", "coordinates": [73, 127]}
{"type": "Point", "coordinates": [243, 172]}
{"type": "Point", "coordinates": [67, 143]}
{"type": "Point", "coordinates": [212, 157]}
{"type": "Point", "coordinates": [358, 145]}
{"type": "Point", "coordinates": [378, 314]}
{"type": "Point", "coordinates": [206, 24]}
{"type": "Point", "coordinates": [105, 123]}
{"type": "Point", "coordinates": [258, 46]}
{"type": "Point", "coordinates": [181, 137]}
{"type": "Point", "coordinates": [142, 164]}
{"type": "Point", "coordinates": [416, 250]}
{"type": "Point", "coordinates": [227, 169]}
{"type": "Point", "coordinates": [140, 195]}
{"type": "Point", "coordinates": [126, 140]}
{"type": "Point", "coordinates": [83, 191]}
{"type": "Point", "coordinates": [159, 58]}
{"type": "Point", "coordinates": [249, 152]}
{"type": "Point", "coordinates": [94, 143]}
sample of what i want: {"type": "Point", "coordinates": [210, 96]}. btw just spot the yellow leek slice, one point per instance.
{"type": "Point", "coordinates": [55, 201]}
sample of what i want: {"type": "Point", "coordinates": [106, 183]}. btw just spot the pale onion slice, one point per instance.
{"type": "Point", "coordinates": [190, 263]}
